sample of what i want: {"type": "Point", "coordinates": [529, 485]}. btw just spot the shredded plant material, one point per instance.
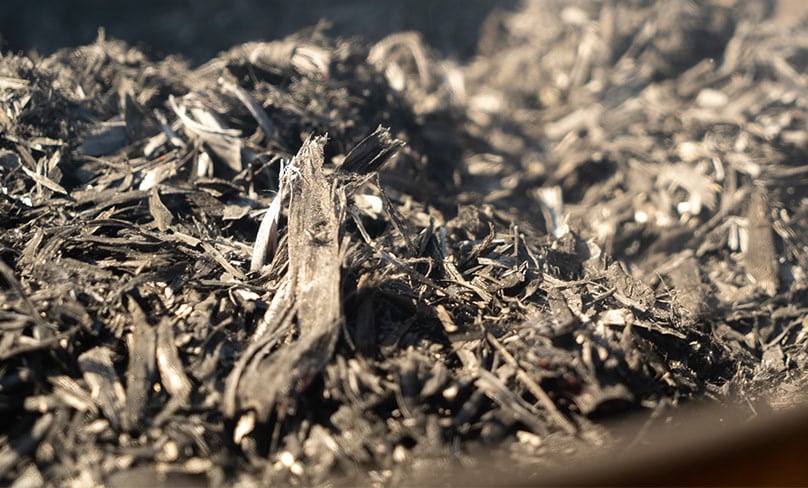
{"type": "Point", "coordinates": [314, 260]}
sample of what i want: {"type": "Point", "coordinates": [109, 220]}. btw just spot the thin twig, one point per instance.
{"type": "Point", "coordinates": [534, 388]}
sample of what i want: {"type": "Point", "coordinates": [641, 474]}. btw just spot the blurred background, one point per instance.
{"type": "Point", "coordinates": [199, 29]}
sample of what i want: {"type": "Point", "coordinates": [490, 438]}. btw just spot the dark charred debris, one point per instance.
{"type": "Point", "coordinates": [313, 260]}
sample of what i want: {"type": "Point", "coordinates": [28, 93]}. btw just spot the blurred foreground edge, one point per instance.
{"type": "Point", "coordinates": [711, 447]}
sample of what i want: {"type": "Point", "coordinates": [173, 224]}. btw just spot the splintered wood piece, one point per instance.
{"type": "Point", "coordinates": [105, 385]}
{"type": "Point", "coordinates": [254, 107]}
{"type": "Point", "coordinates": [691, 295]}
{"type": "Point", "coordinates": [170, 365]}
{"type": "Point", "coordinates": [314, 282]}
{"type": "Point", "coordinates": [141, 367]}
{"type": "Point", "coordinates": [760, 257]}
{"type": "Point", "coordinates": [159, 212]}
{"type": "Point", "coordinates": [266, 242]}
{"type": "Point", "coordinates": [314, 264]}
{"type": "Point", "coordinates": [371, 152]}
